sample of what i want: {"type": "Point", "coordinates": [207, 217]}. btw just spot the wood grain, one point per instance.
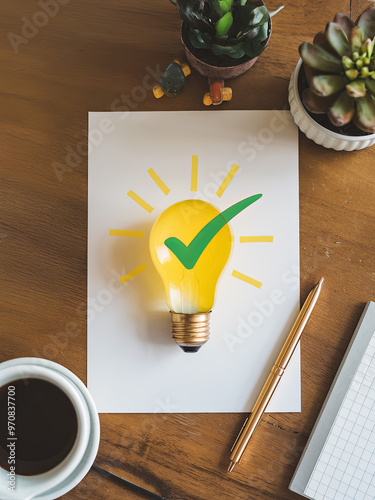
{"type": "Point", "coordinates": [94, 55]}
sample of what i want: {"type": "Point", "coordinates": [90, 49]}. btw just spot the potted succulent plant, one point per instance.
{"type": "Point", "coordinates": [332, 90]}
{"type": "Point", "coordinates": [223, 38]}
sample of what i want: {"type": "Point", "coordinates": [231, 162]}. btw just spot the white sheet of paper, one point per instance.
{"type": "Point", "coordinates": [133, 363]}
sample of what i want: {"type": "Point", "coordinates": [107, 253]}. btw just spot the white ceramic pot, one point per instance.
{"type": "Point", "coordinates": [316, 132]}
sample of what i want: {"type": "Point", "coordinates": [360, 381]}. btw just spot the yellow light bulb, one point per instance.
{"type": "Point", "coordinates": [190, 293]}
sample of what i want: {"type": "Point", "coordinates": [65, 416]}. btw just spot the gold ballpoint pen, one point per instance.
{"type": "Point", "coordinates": [274, 377]}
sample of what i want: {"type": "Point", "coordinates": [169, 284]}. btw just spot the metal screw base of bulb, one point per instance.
{"type": "Point", "coordinates": [190, 331]}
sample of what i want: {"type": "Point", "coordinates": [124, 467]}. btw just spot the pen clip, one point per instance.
{"type": "Point", "coordinates": [239, 434]}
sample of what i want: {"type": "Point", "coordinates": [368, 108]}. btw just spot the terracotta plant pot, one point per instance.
{"type": "Point", "coordinates": [217, 72]}
{"type": "Point", "coordinates": [318, 133]}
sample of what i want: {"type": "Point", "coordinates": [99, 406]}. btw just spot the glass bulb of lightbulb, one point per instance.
{"type": "Point", "coordinates": [190, 292]}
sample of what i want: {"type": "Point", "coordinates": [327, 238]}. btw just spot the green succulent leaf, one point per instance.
{"type": "Point", "coordinates": [347, 62]}
{"type": "Point", "coordinates": [325, 85]}
{"type": "Point", "coordinates": [352, 73]}
{"type": "Point", "coordinates": [355, 56]}
{"type": "Point", "coordinates": [345, 22]}
{"type": "Point", "coordinates": [370, 85]}
{"type": "Point", "coordinates": [338, 40]}
{"type": "Point", "coordinates": [317, 104]}
{"type": "Point", "coordinates": [359, 63]}
{"type": "Point", "coordinates": [356, 88]}
{"type": "Point", "coordinates": [356, 39]}
{"type": "Point", "coordinates": [200, 39]}
{"type": "Point", "coordinates": [366, 23]}
{"type": "Point", "coordinates": [369, 44]}
{"type": "Point", "coordinates": [224, 5]}
{"type": "Point", "coordinates": [366, 113]}
{"type": "Point", "coordinates": [320, 39]}
{"type": "Point", "coordinates": [342, 110]}
{"type": "Point", "coordinates": [365, 72]}
{"type": "Point", "coordinates": [318, 58]}
{"type": "Point", "coordinates": [310, 73]}
{"type": "Point", "coordinates": [224, 24]}
{"type": "Point", "coordinates": [235, 51]}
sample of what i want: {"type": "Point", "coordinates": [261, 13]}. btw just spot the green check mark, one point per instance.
{"type": "Point", "coordinates": [189, 255]}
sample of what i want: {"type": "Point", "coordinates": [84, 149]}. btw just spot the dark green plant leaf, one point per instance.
{"type": "Point", "coordinates": [317, 104]}
{"type": "Point", "coordinates": [254, 50]}
{"type": "Point", "coordinates": [345, 22]}
{"type": "Point", "coordinates": [318, 58]}
{"type": "Point", "coordinates": [250, 17]}
{"type": "Point", "coordinates": [338, 40]}
{"type": "Point", "coordinates": [258, 34]}
{"type": "Point", "coordinates": [370, 85]}
{"type": "Point", "coordinates": [342, 110]}
{"type": "Point", "coordinates": [356, 88]}
{"type": "Point", "coordinates": [233, 51]}
{"type": "Point", "coordinates": [190, 11]}
{"type": "Point", "coordinates": [212, 10]}
{"type": "Point", "coordinates": [254, 43]}
{"type": "Point", "coordinates": [200, 39]}
{"type": "Point", "coordinates": [366, 23]}
{"type": "Point", "coordinates": [366, 113]}
{"type": "Point", "coordinates": [325, 85]}
{"type": "Point", "coordinates": [255, 32]}
{"type": "Point", "coordinates": [263, 32]}
{"type": "Point", "coordinates": [258, 16]}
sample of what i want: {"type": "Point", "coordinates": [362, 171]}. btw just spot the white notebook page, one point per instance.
{"type": "Point", "coordinates": [345, 469]}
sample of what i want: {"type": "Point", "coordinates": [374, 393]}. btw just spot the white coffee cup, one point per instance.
{"type": "Point", "coordinates": [71, 470]}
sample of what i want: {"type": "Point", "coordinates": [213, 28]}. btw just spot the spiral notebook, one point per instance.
{"type": "Point", "coordinates": [338, 462]}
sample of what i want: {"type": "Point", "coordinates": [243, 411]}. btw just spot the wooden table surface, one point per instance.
{"type": "Point", "coordinates": [88, 55]}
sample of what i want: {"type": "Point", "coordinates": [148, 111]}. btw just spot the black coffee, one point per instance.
{"type": "Point", "coordinates": [38, 426]}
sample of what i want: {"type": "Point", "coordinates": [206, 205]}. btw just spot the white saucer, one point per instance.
{"type": "Point", "coordinates": [93, 443]}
